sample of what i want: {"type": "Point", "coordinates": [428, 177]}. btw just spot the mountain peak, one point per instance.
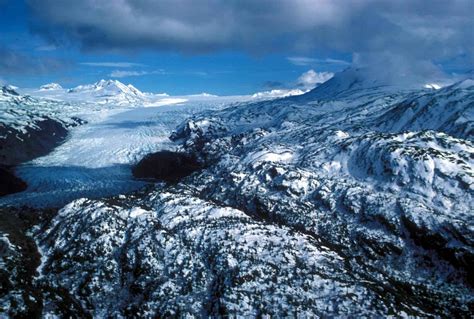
{"type": "Point", "coordinates": [103, 82]}
{"type": "Point", "coordinates": [9, 90]}
{"type": "Point", "coordinates": [109, 91]}
{"type": "Point", "coordinates": [51, 86]}
{"type": "Point", "coordinates": [107, 87]}
{"type": "Point", "coordinates": [110, 84]}
{"type": "Point", "coordinates": [353, 79]}
{"type": "Point", "coordinates": [343, 83]}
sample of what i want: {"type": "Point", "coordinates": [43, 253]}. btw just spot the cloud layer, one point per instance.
{"type": "Point", "coordinates": [127, 73]}
{"type": "Point", "coordinates": [306, 61]}
{"type": "Point", "coordinates": [418, 28]}
{"type": "Point", "coordinates": [113, 64]}
{"type": "Point", "coordinates": [311, 78]}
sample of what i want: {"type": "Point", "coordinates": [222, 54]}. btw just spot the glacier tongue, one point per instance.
{"type": "Point", "coordinates": [96, 159]}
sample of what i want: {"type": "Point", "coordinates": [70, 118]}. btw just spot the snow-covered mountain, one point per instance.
{"type": "Point", "coordinates": [113, 93]}
{"type": "Point", "coordinates": [8, 93]}
{"type": "Point", "coordinates": [51, 86]}
{"type": "Point", "coordinates": [354, 199]}
{"type": "Point", "coordinates": [108, 91]}
{"type": "Point", "coordinates": [382, 178]}
{"type": "Point", "coordinates": [106, 88]}
{"type": "Point", "coordinates": [352, 82]}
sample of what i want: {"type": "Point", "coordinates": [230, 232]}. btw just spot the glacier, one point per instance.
{"type": "Point", "coordinates": [95, 160]}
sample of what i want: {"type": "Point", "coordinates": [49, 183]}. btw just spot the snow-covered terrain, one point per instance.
{"type": "Point", "coordinates": [115, 93]}
{"type": "Point", "coordinates": [104, 92]}
{"type": "Point", "coordinates": [51, 87]}
{"type": "Point", "coordinates": [31, 127]}
{"type": "Point", "coordinates": [124, 124]}
{"type": "Point", "coordinates": [354, 199]}
{"type": "Point", "coordinates": [96, 158]}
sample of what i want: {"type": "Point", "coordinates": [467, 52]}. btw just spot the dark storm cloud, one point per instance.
{"type": "Point", "coordinates": [418, 29]}
{"type": "Point", "coordinates": [13, 62]}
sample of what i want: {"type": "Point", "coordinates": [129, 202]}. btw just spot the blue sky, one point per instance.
{"type": "Point", "coordinates": [241, 47]}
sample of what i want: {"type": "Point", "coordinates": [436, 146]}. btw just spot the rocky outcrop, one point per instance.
{"type": "Point", "coordinates": [166, 166]}
{"type": "Point", "coordinates": [10, 183]}
{"type": "Point", "coordinates": [19, 146]}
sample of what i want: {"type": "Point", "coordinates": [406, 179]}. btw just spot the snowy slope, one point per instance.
{"type": "Point", "coordinates": [50, 87]}
{"type": "Point", "coordinates": [448, 110]}
{"type": "Point", "coordinates": [355, 199]}
{"type": "Point", "coordinates": [351, 168]}
{"type": "Point", "coordinates": [268, 95]}
{"type": "Point", "coordinates": [107, 91]}
{"type": "Point", "coordinates": [19, 110]}
{"type": "Point", "coordinates": [31, 127]}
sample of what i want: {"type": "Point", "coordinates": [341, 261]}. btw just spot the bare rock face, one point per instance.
{"type": "Point", "coordinates": [10, 183]}
{"type": "Point", "coordinates": [39, 139]}
{"type": "Point", "coordinates": [19, 146]}
{"type": "Point", "coordinates": [166, 166]}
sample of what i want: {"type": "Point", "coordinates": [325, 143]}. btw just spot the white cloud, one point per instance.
{"type": "Point", "coordinates": [301, 61]}
{"type": "Point", "coordinates": [113, 64]}
{"type": "Point", "coordinates": [415, 30]}
{"type": "Point", "coordinates": [305, 61]}
{"type": "Point", "coordinates": [305, 82]}
{"type": "Point", "coordinates": [124, 74]}
{"type": "Point", "coordinates": [272, 94]}
{"type": "Point", "coordinates": [311, 78]}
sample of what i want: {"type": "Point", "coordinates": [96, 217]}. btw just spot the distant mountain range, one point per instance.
{"type": "Point", "coordinates": [114, 92]}
{"type": "Point", "coordinates": [103, 92]}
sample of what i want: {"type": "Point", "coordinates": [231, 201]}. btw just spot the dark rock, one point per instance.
{"type": "Point", "coordinates": [439, 243]}
{"type": "Point", "coordinates": [9, 183]}
{"type": "Point", "coordinates": [166, 166]}
{"type": "Point", "coordinates": [21, 146]}
{"type": "Point", "coordinates": [19, 260]}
